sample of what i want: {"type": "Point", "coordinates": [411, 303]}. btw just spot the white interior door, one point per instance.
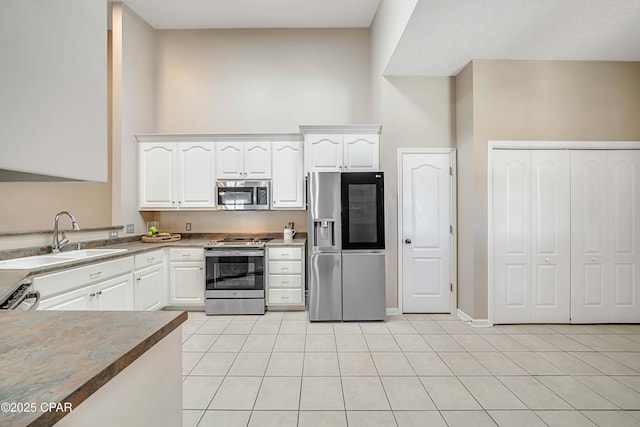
{"type": "Point", "coordinates": [550, 236]}
{"type": "Point", "coordinates": [511, 236]}
{"type": "Point", "coordinates": [426, 236]}
{"type": "Point", "coordinates": [623, 178]}
{"type": "Point", "coordinates": [589, 254]}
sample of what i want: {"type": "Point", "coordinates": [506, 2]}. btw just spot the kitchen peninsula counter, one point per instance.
{"type": "Point", "coordinates": [66, 357]}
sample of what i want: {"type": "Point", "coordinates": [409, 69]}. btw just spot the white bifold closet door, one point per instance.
{"type": "Point", "coordinates": [531, 236]}
{"type": "Point", "coordinates": [605, 228]}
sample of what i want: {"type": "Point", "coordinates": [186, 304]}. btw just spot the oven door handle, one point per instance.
{"type": "Point", "coordinates": [230, 253]}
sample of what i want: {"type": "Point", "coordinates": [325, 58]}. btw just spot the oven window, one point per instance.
{"type": "Point", "coordinates": [235, 273]}
{"type": "Point", "coordinates": [235, 196]}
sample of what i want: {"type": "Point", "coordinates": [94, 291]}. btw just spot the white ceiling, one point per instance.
{"type": "Point", "coordinates": [173, 14]}
{"type": "Point", "coordinates": [442, 36]}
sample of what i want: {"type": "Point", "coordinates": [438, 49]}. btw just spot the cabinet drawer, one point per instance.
{"type": "Point", "coordinates": [148, 259]}
{"type": "Point", "coordinates": [285, 296]}
{"type": "Point", "coordinates": [282, 267]}
{"type": "Point", "coordinates": [285, 253]}
{"type": "Point", "coordinates": [186, 254]}
{"type": "Point", "coordinates": [291, 281]}
{"type": "Point", "coordinates": [67, 280]}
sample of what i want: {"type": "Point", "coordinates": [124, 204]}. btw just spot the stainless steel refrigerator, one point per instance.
{"type": "Point", "coordinates": [346, 272]}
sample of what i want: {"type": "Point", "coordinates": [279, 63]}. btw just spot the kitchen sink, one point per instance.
{"type": "Point", "coordinates": [52, 259]}
{"type": "Point", "coordinates": [88, 253]}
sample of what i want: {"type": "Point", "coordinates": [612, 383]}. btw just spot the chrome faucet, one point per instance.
{"type": "Point", "coordinates": [57, 243]}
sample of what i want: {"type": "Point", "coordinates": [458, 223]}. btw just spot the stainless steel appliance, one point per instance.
{"type": "Point", "coordinates": [23, 298]}
{"type": "Point", "coordinates": [346, 272]}
{"type": "Point", "coordinates": [243, 195]}
{"type": "Point", "coordinates": [234, 270]}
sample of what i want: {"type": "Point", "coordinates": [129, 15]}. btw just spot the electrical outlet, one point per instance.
{"type": "Point", "coordinates": [113, 234]}
{"type": "Point", "coordinates": [188, 226]}
{"type": "Point", "coordinates": [130, 228]}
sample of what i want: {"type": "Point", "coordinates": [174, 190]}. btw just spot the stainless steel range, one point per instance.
{"type": "Point", "coordinates": [235, 276]}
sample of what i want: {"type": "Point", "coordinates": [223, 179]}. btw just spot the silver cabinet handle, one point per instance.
{"type": "Point", "coordinates": [138, 279]}
{"type": "Point", "coordinates": [285, 283]}
{"type": "Point", "coordinates": [92, 295]}
{"type": "Point", "coordinates": [99, 293]}
{"type": "Point", "coordinates": [284, 268]}
{"type": "Point", "coordinates": [407, 241]}
{"type": "Point", "coordinates": [283, 297]}
{"type": "Point", "coordinates": [546, 260]}
{"type": "Point", "coordinates": [95, 275]}
{"type": "Point", "coordinates": [151, 259]}
{"type": "Point", "coordinates": [593, 259]}
{"type": "Point", "coordinates": [285, 255]}
{"type": "Point", "coordinates": [186, 254]}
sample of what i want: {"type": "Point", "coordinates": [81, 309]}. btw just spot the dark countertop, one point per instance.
{"type": "Point", "coordinates": [58, 356]}
{"type": "Point", "coordinates": [11, 279]}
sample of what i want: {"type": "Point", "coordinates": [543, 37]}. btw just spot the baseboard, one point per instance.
{"type": "Point", "coordinates": [392, 311]}
{"type": "Point", "coordinates": [476, 323]}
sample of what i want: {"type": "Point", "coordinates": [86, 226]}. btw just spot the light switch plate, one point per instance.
{"type": "Point", "coordinates": [187, 226]}
{"type": "Point", "coordinates": [113, 234]}
{"type": "Point", "coordinates": [130, 228]}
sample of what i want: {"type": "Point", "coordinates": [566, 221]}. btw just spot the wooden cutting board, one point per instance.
{"type": "Point", "coordinates": [161, 239]}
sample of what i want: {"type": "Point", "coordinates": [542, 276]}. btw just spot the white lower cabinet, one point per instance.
{"type": "Point", "coordinates": [149, 280]}
{"type": "Point", "coordinates": [285, 278]}
{"type": "Point", "coordinates": [111, 295]}
{"type": "Point", "coordinates": [101, 286]}
{"type": "Point", "coordinates": [186, 273]}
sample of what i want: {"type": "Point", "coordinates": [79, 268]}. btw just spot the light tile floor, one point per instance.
{"type": "Point", "coordinates": [412, 370]}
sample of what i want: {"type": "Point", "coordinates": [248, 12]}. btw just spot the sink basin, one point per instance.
{"type": "Point", "coordinates": [88, 253]}
{"type": "Point", "coordinates": [33, 261]}
{"type": "Point", "coordinates": [51, 259]}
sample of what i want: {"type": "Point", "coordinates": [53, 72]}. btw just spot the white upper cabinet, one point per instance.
{"type": "Point", "coordinates": [244, 160]}
{"type": "Point", "coordinates": [361, 152]}
{"type": "Point", "coordinates": [176, 175]}
{"type": "Point", "coordinates": [157, 175]}
{"type": "Point", "coordinates": [196, 175]}
{"type": "Point", "coordinates": [324, 153]}
{"type": "Point", "coordinates": [288, 181]}
{"type": "Point", "coordinates": [230, 160]}
{"type": "Point", "coordinates": [257, 160]}
{"type": "Point", "coordinates": [354, 148]}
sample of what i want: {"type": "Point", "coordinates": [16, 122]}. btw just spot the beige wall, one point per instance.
{"type": "Point", "coordinates": [235, 81]}
{"type": "Point", "coordinates": [540, 100]}
{"type": "Point", "coordinates": [135, 111]}
{"type": "Point", "coordinates": [272, 80]}
{"type": "Point", "coordinates": [465, 179]}
{"type": "Point", "coordinates": [415, 112]}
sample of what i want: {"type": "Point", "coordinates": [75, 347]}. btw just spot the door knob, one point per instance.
{"type": "Point", "coordinates": [407, 241]}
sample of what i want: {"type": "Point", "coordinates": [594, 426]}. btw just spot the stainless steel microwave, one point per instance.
{"type": "Point", "coordinates": [243, 195]}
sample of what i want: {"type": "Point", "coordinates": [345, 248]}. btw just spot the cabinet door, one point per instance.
{"type": "Point", "coordinates": [114, 295]}
{"type": "Point", "coordinates": [257, 160]}
{"type": "Point", "coordinates": [361, 153]}
{"type": "Point", "coordinates": [187, 283]}
{"type": "Point", "coordinates": [324, 153]}
{"type": "Point", "coordinates": [550, 237]}
{"type": "Point", "coordinates": [157, 175]}
{"type": "Point", "coordinates": [77, 300]}
{"type": "Point", "coordinates": [196, 175]}
{"type": "Point", "coordinates": [229, 160]}
{"type": "Point", "coordinates": [623, 205]}
{"type": "Point", "coordinates": [149, 289]}
{"type": "Point", "coordinates": [288, 179]}
{"type": "Point", "coordinates": [589, 252]}
{"type": "Point", "coordinates": [512, 236]}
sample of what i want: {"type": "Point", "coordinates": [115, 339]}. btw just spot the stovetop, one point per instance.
{"type": "Point", "coordinates": [237, 242]}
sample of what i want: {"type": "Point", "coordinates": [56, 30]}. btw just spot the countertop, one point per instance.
{"type": "Point", "coordinates": [281, 242]}
{"type": "Point", "coordinates": [57, 356]}
{"type": "Point", "coordinates": [11, 279]}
